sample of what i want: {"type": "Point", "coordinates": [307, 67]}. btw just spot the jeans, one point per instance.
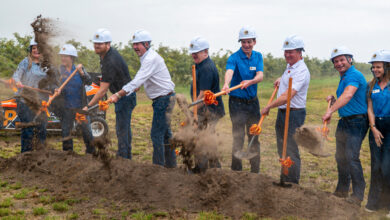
{"type": "Point", "coordinates": [202, 162]}
{"type": "Point", "coordinates": [67, 123]}
{"type": "Point", "coordinates": [349, 137]}
{"type": "Point", "coordinates": [161, 132]}
{"type": "Point", "coordinates": [296, 120]}
{"type": "Point", "coordinates": [27, 115]}
{"type": "Point", "coordinates": [243, 114]}
{"type": "Point", "coordinates": [123, 109]}
{"type": "Point", "coordinates": [380, 166]}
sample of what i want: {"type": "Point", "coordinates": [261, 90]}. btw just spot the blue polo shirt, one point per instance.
{"type": "Point", "coordinates": [358, 104]}
{"type": "Point", "coordinates": [381, 100]}
{"type": "Point", "coordinates": [244, 69]}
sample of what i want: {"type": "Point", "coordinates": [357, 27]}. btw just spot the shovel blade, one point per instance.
{"type": "Point", "coordinates": [245, 155]}
{"type": "Point", "coordinates": [80, 111]}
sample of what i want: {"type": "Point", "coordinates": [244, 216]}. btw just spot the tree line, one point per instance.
{"type": "Point", "coordinates": [178, 61]}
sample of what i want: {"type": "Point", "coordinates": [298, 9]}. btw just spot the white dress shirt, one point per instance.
{"type": "Point", "coordinates": [153, 74]}
{"type": "Point", "coordinates": [300, 83]}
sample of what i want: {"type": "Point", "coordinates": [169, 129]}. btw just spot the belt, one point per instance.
{"type": "Point", "coordinates": [162, 96]}
{"type": "Point", "coordinates": [291, 109]}
{"type": "Point", "coordinates": [246, 101]}
{"type": "Point", "coordinates": [354, 116]}
{"type": "Point", "coordinates": [382, 118]}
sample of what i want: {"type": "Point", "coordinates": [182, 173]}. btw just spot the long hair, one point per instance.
{"type": "Point", "coordinates": [386, 76]}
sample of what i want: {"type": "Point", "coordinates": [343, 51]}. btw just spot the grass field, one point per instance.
{"type": "Point", "coordinates": [317, 173]}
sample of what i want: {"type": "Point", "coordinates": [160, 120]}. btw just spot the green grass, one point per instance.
{"type": "Point", "coordinates": [6, 203]}
{"type": "Point", "coordinates": [40, 211]}
{"type": "Point", "coordinates": [46, 199]}
{"type": "Point", "coordinates": [141, 215]}
{"type": "Point", "coordinates": [60, 207]}
{"type": "Point", "coordinates": [210, 216]}
{"type": "Point", "coordinates": [4, 212]}
{"type": "Point", "coordinates": [22, 194]}
{"type": "Point", "coordinates": [73, 216]}
{"type": "Point", "coordinates": [14, 186]}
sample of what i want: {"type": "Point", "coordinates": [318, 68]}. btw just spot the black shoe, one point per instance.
{"type": "Point", "coordinates": [340, 194]}
{"type": "Point", "coordinates": [354, 200]}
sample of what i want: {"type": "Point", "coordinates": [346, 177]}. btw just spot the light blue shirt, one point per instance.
{"type": "Point", "coordinates": [29, 77]}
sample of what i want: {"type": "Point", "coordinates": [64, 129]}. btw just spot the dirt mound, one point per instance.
{"type": "Point", "coordinates": [230, 193]}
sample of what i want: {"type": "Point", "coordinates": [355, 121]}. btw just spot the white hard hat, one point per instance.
{"type": "Point", "coordinates": [246, 32]}
{"type": "Point", "coordinates": [102, 35]}
{"type": "Point", "coordinates": [198, 44]}
{"type": "Point", "coordinates": [32, 42]}
{"type": "Point", "coordinates": [141, 36]}
{"type": "Point", "coordinates": [68, 49]}
{"type": "Point", "coordinates": [381, 56]}
{"type": "Point", "coordinates": [338, 51]}
{"type": "Point", "coordinates": [293, 42]}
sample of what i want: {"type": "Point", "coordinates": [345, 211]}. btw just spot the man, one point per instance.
{"type": "Point", "coordinates": [207, 78]}
{"type": "Point", "coordinates": [296, 68]}
{"type": "Point", "coordinates": [352, 126]}
{"type": "Point", "coordinates": [155, 77]}
{"type": "Point", "coordinates": [244, 67]}
{"type": "Point", "coordinates": [115, 74]}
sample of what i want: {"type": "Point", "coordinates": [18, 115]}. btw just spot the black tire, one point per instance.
{"type": "Point", "coordinates": [99, 127]}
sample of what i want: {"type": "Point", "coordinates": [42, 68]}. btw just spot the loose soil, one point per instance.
{"type": "Point", "coordinates": [70, 175]}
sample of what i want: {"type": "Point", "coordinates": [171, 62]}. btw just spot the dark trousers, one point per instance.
{"type": "Point", "coordinates": [380, 166]}
{"type": "Point", "coordinates": [243, 114]}
{"type": "Point", "coordinates": [161, 132]}
{"type": "Point", "coordinates": [26, 115]}
{"type": "Point", "coordinates": [296, 120]}
{"type": "Point", "coordinates": [349, 137]}
{"type": "Point", "coordinates": [123, 109]}
{"type": "Point", "coordinates": [67, 123]}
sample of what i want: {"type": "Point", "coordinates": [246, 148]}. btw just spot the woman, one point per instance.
{"type": "Point", "coordinates": [29, 73]}
{"type": "Point", "coordinates": [74, 97]}
{"type": "Point", "coordinates": [379, 138]}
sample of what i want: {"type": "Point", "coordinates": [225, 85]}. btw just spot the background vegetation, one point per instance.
{"type": "Point", "coordinates": [178, 61]}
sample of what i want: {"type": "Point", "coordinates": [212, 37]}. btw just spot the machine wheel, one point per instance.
{"type": "Point", "coordinates": [99, 127]}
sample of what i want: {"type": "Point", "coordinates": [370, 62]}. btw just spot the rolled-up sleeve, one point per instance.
{"type": "Point", "coordinates": [144, 73]}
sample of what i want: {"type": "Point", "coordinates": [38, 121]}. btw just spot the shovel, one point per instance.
{"type": "Point", "coordinates": [285, 161]}
{"type": "Point", "coordinates": [312, 138]}
{"type": "Point", "coordinates": [255, 130]}
{"type": "Point", "coordinates": [210, 97]}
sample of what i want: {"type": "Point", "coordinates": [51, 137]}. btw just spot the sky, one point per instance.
{"type": "Point", "coordinates": [361, 25]}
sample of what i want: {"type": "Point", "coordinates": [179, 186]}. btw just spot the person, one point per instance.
{"type": "Point", "coordinates": [115, 74]}
{"type": "Point", "coordinates": [296, 68]}
{"type": "Point", "coordinates": [154, 76]}
{"type": "Point", "coordinates": [352, 127]}
{"type": "Point", "coordinates": [379, 137]}
{"type": "Point", "coordinates": [29, 73]}
{"type": "Point", "coordinates": [74, 97]}
{"type": "Point", "coordinates": [244, 67]}
{"type": "Point", "coordinates": [207, 78]}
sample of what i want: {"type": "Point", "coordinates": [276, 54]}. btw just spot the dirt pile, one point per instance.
{"type": "Point", "coordinates": [231, 193]}
{"type": "Point", "coordinates": [44, 30]}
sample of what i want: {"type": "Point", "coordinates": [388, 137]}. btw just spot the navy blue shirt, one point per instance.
{"type": "Point", "coordinates": [381, 100]}
{"type": "Point", "coordinates": [358, 104]}
{"type": "Point", "coordinates": [114, 70]}
{"type": "Point", "coordinates": [244, 69]}
{"type": "Point", "coordinates": [207, 78]}
{"type": "Point", "coordinates": [73, 91]}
